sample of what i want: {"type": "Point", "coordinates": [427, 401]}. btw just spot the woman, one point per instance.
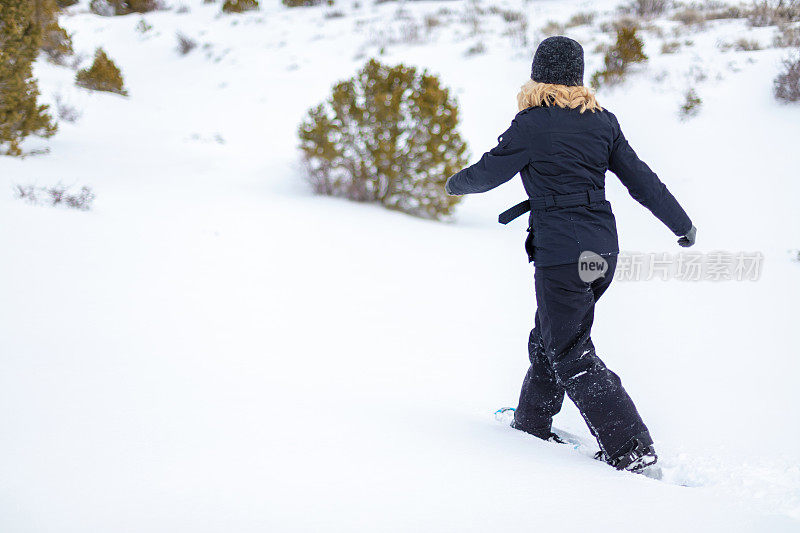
{"type": "Point", "coordinates": [562, 142]}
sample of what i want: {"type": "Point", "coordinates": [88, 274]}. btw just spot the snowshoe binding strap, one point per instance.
{"type": "Point", "coordinates": [639, 457]}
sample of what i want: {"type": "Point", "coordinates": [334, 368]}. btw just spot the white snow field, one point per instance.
{"type": "Point", "coordinates": [213, 348]}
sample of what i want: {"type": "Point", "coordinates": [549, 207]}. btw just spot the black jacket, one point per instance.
{"type": "Point", "coordinates": [562, 151]}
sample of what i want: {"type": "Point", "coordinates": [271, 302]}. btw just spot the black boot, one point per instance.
{"type": "Point", "coordinates": [544, 434]}
{"type": "Point", "coordinates": [638, 457]}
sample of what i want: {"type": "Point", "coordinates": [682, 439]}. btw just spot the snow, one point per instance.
{"type": "Point", "coordinates": [213, 348]}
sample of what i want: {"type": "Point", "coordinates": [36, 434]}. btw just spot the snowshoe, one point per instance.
{"type": "Point", "coordinates": [547, 435]}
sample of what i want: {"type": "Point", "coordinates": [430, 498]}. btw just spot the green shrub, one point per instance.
{"type": "Point", "coordinates": [20, 113]}
{"type": "Point", "coordinates": [66, 3]}
{"type": "Point", "coordinates": [627, 50]}
{"type": "Point", "coordinates": [691, 105]}
{"type": "Point", "coordinates": [56, 42]}
{"type": "Point", "coordinates": [239, 6]}
{"type": "Point", "coordinates": [103, 75]}
{"type": "Point", "coordinates": [142, 6]}
{"type": "Point", "coordinates": [388, 135]}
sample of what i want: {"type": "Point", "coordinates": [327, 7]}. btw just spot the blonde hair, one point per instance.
{"type": "Point", "coordinates": [535, 94]}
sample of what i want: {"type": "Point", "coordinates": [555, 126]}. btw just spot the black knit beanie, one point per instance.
{"type": "Point", "coordinates": [558, 60]}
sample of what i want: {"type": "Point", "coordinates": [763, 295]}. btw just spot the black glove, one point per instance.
{"type": "Point", "coordinates": [688, 239]}
{"type": "Point", "coordinates": [447, 188]}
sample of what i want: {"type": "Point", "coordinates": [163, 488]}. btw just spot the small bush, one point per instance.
{"type": "Point", "coordinates": [746, 45]}
{"type": "Point", "coordinates": [615, 25]}
{"type": "Point", "coordinates": [670, 47]}
{"type": "Point", "coordinates": [239, 6]}
{"type": "Point", "coordinates": [143, 27]}
{"type": "Point", "coordinates": [727, 12]}
{"type": "Point", "coordinates": [185, 44]}
{"type": "Point", "coordinates": [110, 8]}
{"type": "Point", "coordinates": [581, 19]}
{"type": "Point", "coordinates": [476, 49]}
{"type": "Point", "coordinates": [105, 8]}
{"type": "Point", "coordinates": [512, 16]}
{"type": "Point", "coordinates": [627, 50]}
{"type": "Point", "coordinates": [690, 17]}
{"type": "Point", "coordinates": [65, 111]}
{"type": "Point", "coordinates": [648, 8]}
{"type": "Point", "coordinates": [27, 193]}
{"type": "Point", "coordinates": [83, 200]}
{"type": "Point", "coordinates": [697, 73]}
{"type": "Point", "coordinates": [772, 12]}
{"type": "Point", "coordinates": [57, 195]}
{"type": "Point", "coordinates": [301, 3]}
{"type": "Point", "coordinates": [518, 32]}
{"type": "Point", "coordinates": [388, 135]}
{"type": "Point", "coordinates": [655, 30]}
{"type": "Point", "coordinates": [787, 37]}
{"type": "Point", "coordinates": [66, 3]}
{"type": "Point", "coordinates": [553, 28]}
{"type": "Point", "coordinates": [103, 75]}
{"type": "Point", "coordinates": [691, 105]}
{"type": "Point", "coordinates": [431, 22]}
{"type": "Point", "coordinates": [787, 85]}
{"type": "Point", "coordinates": [142, 6]}
{"type": "Point", "coordinates": [472, 16]}
{"type": "Point", "coordinates": [411, 33]}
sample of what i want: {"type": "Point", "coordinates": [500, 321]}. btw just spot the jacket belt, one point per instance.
{"type": "Point", "coordinates": [553, 200]}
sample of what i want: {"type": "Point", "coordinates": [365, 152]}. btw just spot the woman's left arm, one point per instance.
{"type": "Point", "coordinates": [496, 167]}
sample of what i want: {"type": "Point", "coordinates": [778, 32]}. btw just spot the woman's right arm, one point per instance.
{"type": "Point", "coordinates": [496, 167]}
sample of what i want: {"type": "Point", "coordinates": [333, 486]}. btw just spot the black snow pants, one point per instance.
{"type": "Point", "coordinates": [563, 359]}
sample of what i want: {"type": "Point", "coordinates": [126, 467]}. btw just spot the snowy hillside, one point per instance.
{"type": "Point", "coordinates": [213, 348]}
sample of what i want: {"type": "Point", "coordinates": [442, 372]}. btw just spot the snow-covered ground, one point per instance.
{"type": "Point", "coordinates": [214, 349]}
